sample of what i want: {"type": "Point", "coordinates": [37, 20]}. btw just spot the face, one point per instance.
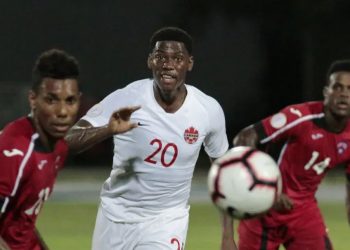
{"type": "Point", "coordinates": [55, 106]}
{"type": "Point", "coordinates": [337, 94]}
{"type": "Point", "coordinates": [169, 62]}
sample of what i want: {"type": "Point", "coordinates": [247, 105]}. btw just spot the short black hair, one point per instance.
{"type": "Point", "coordinates": [172, 34]}
{"type": "Point", "coordinates": [54, 63]}
{"type": "Point", "coordinates": [337, 66]}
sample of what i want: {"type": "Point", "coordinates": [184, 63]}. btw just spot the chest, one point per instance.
{"type": "Point", "coordinates": [164, 139]}
{"type": "Point", "coordinates": [40, 172]}
{"type": "Point", "coordinates": [316, 151]}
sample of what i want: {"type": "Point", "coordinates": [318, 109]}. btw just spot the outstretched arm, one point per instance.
{"type": "Point", "coordinates": [227, 240]}
{"type": "Point", "coordinates": [83, 135]}
{"type": "Point", "coordinates": [249, 137]}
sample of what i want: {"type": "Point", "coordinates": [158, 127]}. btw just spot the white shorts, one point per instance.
{"type": "Point", "coordinates": [166, 232]}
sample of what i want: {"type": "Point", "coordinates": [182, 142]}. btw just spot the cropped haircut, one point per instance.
{"type": "Point", "coordinates": [56, 64]}
{"type": "Point", "coordinates": [172, 34]}
{"type": "Point", "coordinates": [337, 66]}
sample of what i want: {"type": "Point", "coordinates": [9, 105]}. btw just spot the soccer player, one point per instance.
{"type": "Point", "coordinates": [158, 126]}
{"type": "Point", "coordinates": [32, 149]}
{"type": "Point", "coordinates": [315, 138]}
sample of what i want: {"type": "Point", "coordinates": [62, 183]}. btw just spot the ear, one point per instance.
{"type": "Point", "coordinates": [149, 61]}
{"type": "Point", "coordinates": [325, 91]}
{"type": "Point", "coordinates": [32, 99]}
{"type": "Point", "coordinates": [191, 62]}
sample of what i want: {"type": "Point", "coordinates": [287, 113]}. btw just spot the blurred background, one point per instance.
{"type": "Point", "coordinates": [254, 57]}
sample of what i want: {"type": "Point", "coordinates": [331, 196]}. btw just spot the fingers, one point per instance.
{"type": "Point", "coordinates": [125, 112]}
{"type": "Point", "coordinates": [129, 109]}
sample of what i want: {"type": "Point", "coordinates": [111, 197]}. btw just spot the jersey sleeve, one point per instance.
{"type": "Point", "coordinates": [100, 113]}
{"type": "Point", "coordinates": [216, 142]}
{"type": "Point", "coordinates": [282, 125]}
{"type": "Point", "coordinates": [12, 155]}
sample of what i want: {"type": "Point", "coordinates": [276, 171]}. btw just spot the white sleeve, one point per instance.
{"type": "Point", "coordinates": [216, 143]}
{"type": "Point", "coordinates": [99, 114]}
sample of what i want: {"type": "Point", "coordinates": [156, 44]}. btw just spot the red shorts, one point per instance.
{"type": "Point", "coordinates": [302, 228]}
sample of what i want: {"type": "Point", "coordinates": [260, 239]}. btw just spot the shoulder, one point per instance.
{"type": "Point", "coordinates": [21, 127]}
{"type": "Point", "coordinates": [138, 85]}
{"type": "Point", "coordinates": [209, 102]}
{"type": "Point", "coordinates": [304, 109]}
{"type": "Point", "coordinates": [132, 90]}
{"type": "Point", "coordinates": [17, 133]}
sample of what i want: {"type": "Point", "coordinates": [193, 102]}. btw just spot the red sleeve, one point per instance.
{"type": "Point", "coordinates": [12, 154]}
{"type": "Point", "coordinates": [284, 124]}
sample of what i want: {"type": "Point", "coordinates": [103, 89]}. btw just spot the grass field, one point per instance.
{"type": "Point", "coordinates": [69, 226]}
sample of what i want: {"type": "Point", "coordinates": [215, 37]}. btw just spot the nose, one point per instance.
{"type": "Point", "coordinates": [168, 63]}
{"type": "Point", "coordinates": [62, 110]}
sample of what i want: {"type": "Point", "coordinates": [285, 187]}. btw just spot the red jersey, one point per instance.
{"type": "Point", "coordinates": [27, 176]}
{"type": "Point", "coordinates": [309, 150]}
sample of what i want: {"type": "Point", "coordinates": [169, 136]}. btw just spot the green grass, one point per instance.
{"type": "Point", "coordinates": [68, 226]}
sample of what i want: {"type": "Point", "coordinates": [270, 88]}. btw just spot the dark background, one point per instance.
{"type": "Point", "coordinates": [254, 57]}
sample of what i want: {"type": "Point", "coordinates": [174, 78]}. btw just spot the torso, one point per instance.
{"type": "Point", "coordinates": [153, 164]}
{"type": "Point", "coordinates": [309, 151]}
{"type": "Point", "coordinates": [26, 180]}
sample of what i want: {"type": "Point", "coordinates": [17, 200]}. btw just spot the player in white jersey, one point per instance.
{"type": "Point", "coordinates": [158, 126]}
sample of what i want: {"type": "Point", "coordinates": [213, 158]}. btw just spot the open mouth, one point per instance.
{"type": "Point", "coordinates": [167, 76]}
{"type": "Point", "coordinates": [61, 127]}
{"type": "Point", "coordinates": [342, 105]}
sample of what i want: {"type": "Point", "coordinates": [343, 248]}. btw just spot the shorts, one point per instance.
{"type": "Point", "coordinates": [301, 229]}
{"type": "Point", "coordinates": [166, 232]}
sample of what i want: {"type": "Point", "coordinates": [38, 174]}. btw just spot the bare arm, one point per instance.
{"type": "Point", "coordinates": [249, 137]}
{"type": "Point", "coordinates": [227, 241]}
{"type": "Point", "coordinates": [83, 135]}
{"type": "Point", "coordinates": [348, 199]}
{"type": "Point", "coordinates": [246, 137]}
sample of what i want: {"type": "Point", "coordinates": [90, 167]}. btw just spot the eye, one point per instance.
{"type": "Point", "coordinates": [337, 87]}
{"type": "Point", "coordinates": [71, 100]}
{"type": "Point", "coordinates": [49, 100]}
{"type": "Point", "coordinates": [158, 56]}
{"type": "Point", "coordinates": [179, 58]}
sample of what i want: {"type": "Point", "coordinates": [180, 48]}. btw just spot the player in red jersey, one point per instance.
{"type": "Point", "coordinates": [315, 138]}
{"type": "Point", "coordinates": [32, 149]}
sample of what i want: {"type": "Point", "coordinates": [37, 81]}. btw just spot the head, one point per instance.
{"type": "Point", "coordinates": [170, 58]}
{"type": "Point", "coordinates": [337, 90]}
{"type": "Point", "coordinates": [54, 97]}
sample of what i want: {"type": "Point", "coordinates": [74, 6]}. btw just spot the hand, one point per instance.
{"type": "Point", "coordinates": [284, 203]}
{"type": "Point", "coordinates": [120, 120]}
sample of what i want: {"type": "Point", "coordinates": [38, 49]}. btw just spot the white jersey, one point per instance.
{"type": "Point", "coordinates": [153, 164]}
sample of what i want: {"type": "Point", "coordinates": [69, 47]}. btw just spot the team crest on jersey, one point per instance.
{"type": "Point", "coordinates": [278, 120]}
{"type": "Point", "coordinates": [342, 146]}
{"type": "Point", "coordinates": [191, 135]}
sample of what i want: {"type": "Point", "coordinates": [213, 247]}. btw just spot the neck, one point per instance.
{"type": "Point", "coordinates": [172, 101]}
{"type": "Point", "coordinates": [335, 123]}
{"type": "Point", "coordinates": [47, 142]}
